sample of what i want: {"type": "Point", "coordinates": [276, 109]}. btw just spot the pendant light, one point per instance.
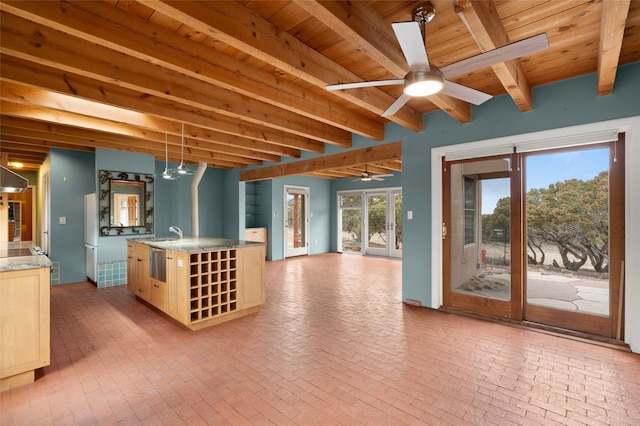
{"type": "Point", "coordinates": [182, 169]}
{"type": "Point", "coordinates": [167, 175]}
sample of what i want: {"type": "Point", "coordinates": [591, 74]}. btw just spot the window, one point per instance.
{"type": "Point", "coordinates": [469, 210]}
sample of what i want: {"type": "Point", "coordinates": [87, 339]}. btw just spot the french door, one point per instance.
{"type": "Point", "coordinates": [537, 237]}
{"type": "Point", "coordinates": [370, 222]}
{"type": "Point", "coordinates": [296, 221]}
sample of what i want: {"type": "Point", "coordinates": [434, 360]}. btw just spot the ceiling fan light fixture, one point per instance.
{"type": "Point", "coordinates": [365, 178]}
{"type": "Point", "coordinates": [422, 83]}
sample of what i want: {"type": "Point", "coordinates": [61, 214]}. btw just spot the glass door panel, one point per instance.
{"type": "Point", "coordinates": [296, 230]}
{"type": "Point", "coordinates": [396, 225]}
{"type": "Point", "coordinates": [568, 234]}
{"type": "Point", "coordinates": [377, 224]}
{"type": "Point", "coordinates": [478, 243]}
{"type": "Point", "coordinates": [538, 237]}
{"type": "Point", "coordinates": [350, 210]}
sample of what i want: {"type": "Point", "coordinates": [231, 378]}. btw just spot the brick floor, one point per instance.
{"type": "Point", "coordinates": [332, 345]}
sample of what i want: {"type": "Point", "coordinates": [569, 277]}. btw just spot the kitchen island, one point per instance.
{"type": "Point", "coordinates": [25, 279]}
{"type": "Point", "coordinates": [199, 282]}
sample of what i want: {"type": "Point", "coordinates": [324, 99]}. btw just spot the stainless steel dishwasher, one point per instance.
{"type": "Point", "coordinates": [158, 264]}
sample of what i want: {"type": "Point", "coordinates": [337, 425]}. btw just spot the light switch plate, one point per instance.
{"type": "Point", "coordinates": [63, 220]}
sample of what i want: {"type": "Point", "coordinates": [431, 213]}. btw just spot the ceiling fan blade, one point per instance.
{"type": "Point", "coordinates": [384, 175]}
{"type": "Point", "coordinates": [364, 84]}
{"type": "Point", "coordinates": [399, 103]}
{"type": "Point", "coordinates": [501, 54]}
{"type": "Point", "coordinates": [410, 38]}
{"type": "Point", "coordinates": [464, 93]}
{"type": "Point", "coordinates": [378, 178]}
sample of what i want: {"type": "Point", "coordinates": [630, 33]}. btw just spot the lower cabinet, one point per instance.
{"type": "Point", "coordinates": [138, 270]}
{"type": "Point", "coordinates": [206, 287]}
{"type": "Point", "coordinates": [158, 294]}
{"type": "Point", "coordinates": [252, 276]}
{"type": "Point", "coordinates": [24, 324]}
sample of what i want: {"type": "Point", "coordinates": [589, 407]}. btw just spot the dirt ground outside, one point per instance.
{"type": "Point", "coordinates": [547, 285]}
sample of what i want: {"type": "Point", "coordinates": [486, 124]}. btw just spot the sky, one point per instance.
{"type": "Point", "coordinates": [545, 169]}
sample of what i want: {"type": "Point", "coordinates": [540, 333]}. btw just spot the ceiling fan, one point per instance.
{"type": "Point", "coordinates": [367, 177]}
{"type": "Point", "coordinates": [425, 79]}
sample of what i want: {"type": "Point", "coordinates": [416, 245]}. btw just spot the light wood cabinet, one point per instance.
{"type": "Point", "coordinates": [24, 324]}
{"type": "Point", "coordinates": [158, 294]}
{"type": "Point", "coordinates": [252, 276]}
{"type": "Point", "coordinates": [257, 234]}
{"type": "Point", "coordinates": [203, 288]}
{"type": "Point", "coordinates": [138, 270]}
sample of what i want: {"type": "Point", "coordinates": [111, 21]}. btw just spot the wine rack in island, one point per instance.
{"type": "Point", "coordinates": [213, 284]}
{"type": "Point", "coordinates": [204, 287]}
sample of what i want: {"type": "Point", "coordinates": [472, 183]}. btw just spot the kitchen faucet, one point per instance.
{"type": "Point", "coordinates": [176, 230]}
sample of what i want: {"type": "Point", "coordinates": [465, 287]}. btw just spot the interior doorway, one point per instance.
{"type": "Point", "coordinates": [296, 221]}
{"type": "Point", "coordinates": [537, 237]}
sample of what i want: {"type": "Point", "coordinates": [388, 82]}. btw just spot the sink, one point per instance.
{"type": "Point", "coordinates": [160, 239]}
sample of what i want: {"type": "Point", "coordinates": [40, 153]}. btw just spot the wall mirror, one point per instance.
{"type": "Point", "coordinates": [125, 203]}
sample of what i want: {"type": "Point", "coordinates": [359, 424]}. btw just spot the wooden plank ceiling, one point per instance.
{"type": "Point", "coordinates": [247, 78]}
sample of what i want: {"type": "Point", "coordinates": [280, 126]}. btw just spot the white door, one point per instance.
{"type": "Point", "coordinates": [296, 221]}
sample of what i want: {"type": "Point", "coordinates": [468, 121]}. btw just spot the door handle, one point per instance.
{"type": "Point", "coordinates": [444, 230]}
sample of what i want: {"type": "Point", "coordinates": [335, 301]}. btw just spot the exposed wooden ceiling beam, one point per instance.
{"type": "Point", "coordinates": [361, 26]}
{"type": "Point", "coordinates": [30, 145]}
{"type": "Point", "coordinates": [112, 67]}
{"type": "Point", "coordinates": [66, 118]}
{"type": "Point", "coordinates": [116, 29]}
{"type": "Point", "coordinates": [266, 140]}
{"type": "Point", "coordinates": [191, 154]}
{"type": "Point", "coordinates": [485, 25]}
{"type": "Point", "coordinates": [237, 26]}
{"type": "Point", "coordinates": [614, 18]}
{"type": "Point", "coordinates": [385, 152]}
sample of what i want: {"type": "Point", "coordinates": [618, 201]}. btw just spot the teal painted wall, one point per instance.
{"type": "Point", "coordinates": [233, 205]}
{"type": "Point", "coordinates": [567, 103]}
{"type": "Point", "coordinates": [72, 176]}
{"type": "Point", "coordinates": [222, 201]}
{"type": "Point", "coordinates": [173, 203]}
{"type": "Point", "coordinates": [558, 105]}
{"type": "Point", "coordinates": [114, 248]}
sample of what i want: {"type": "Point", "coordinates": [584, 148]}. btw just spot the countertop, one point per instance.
{"type": "Point", "coordinates": [15, 263]}
{"type": "Point", "coordinates": [195, 244]}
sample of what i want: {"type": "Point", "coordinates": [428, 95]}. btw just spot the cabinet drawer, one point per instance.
{"type": "Point", "coordinates": [158, 294]}
{"type": "Point", "coordinates": [142, 291]}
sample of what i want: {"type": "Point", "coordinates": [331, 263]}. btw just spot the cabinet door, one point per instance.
{"type": "Point", "coordinates": [252, 276]}
{"type": "Point", "coordinates": [142, 271]}
{"type": "Point", "coordinates": [131, 268]}
{"type": "Point", "coordinates": [158, 294]}
{"type": "Point", "coordinates": [25, 324]}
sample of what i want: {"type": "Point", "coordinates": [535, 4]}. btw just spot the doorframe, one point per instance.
{"type": "Point", "coordinates": [560, 137]}
{"type": "Point", "coordinates": [307, 195]}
